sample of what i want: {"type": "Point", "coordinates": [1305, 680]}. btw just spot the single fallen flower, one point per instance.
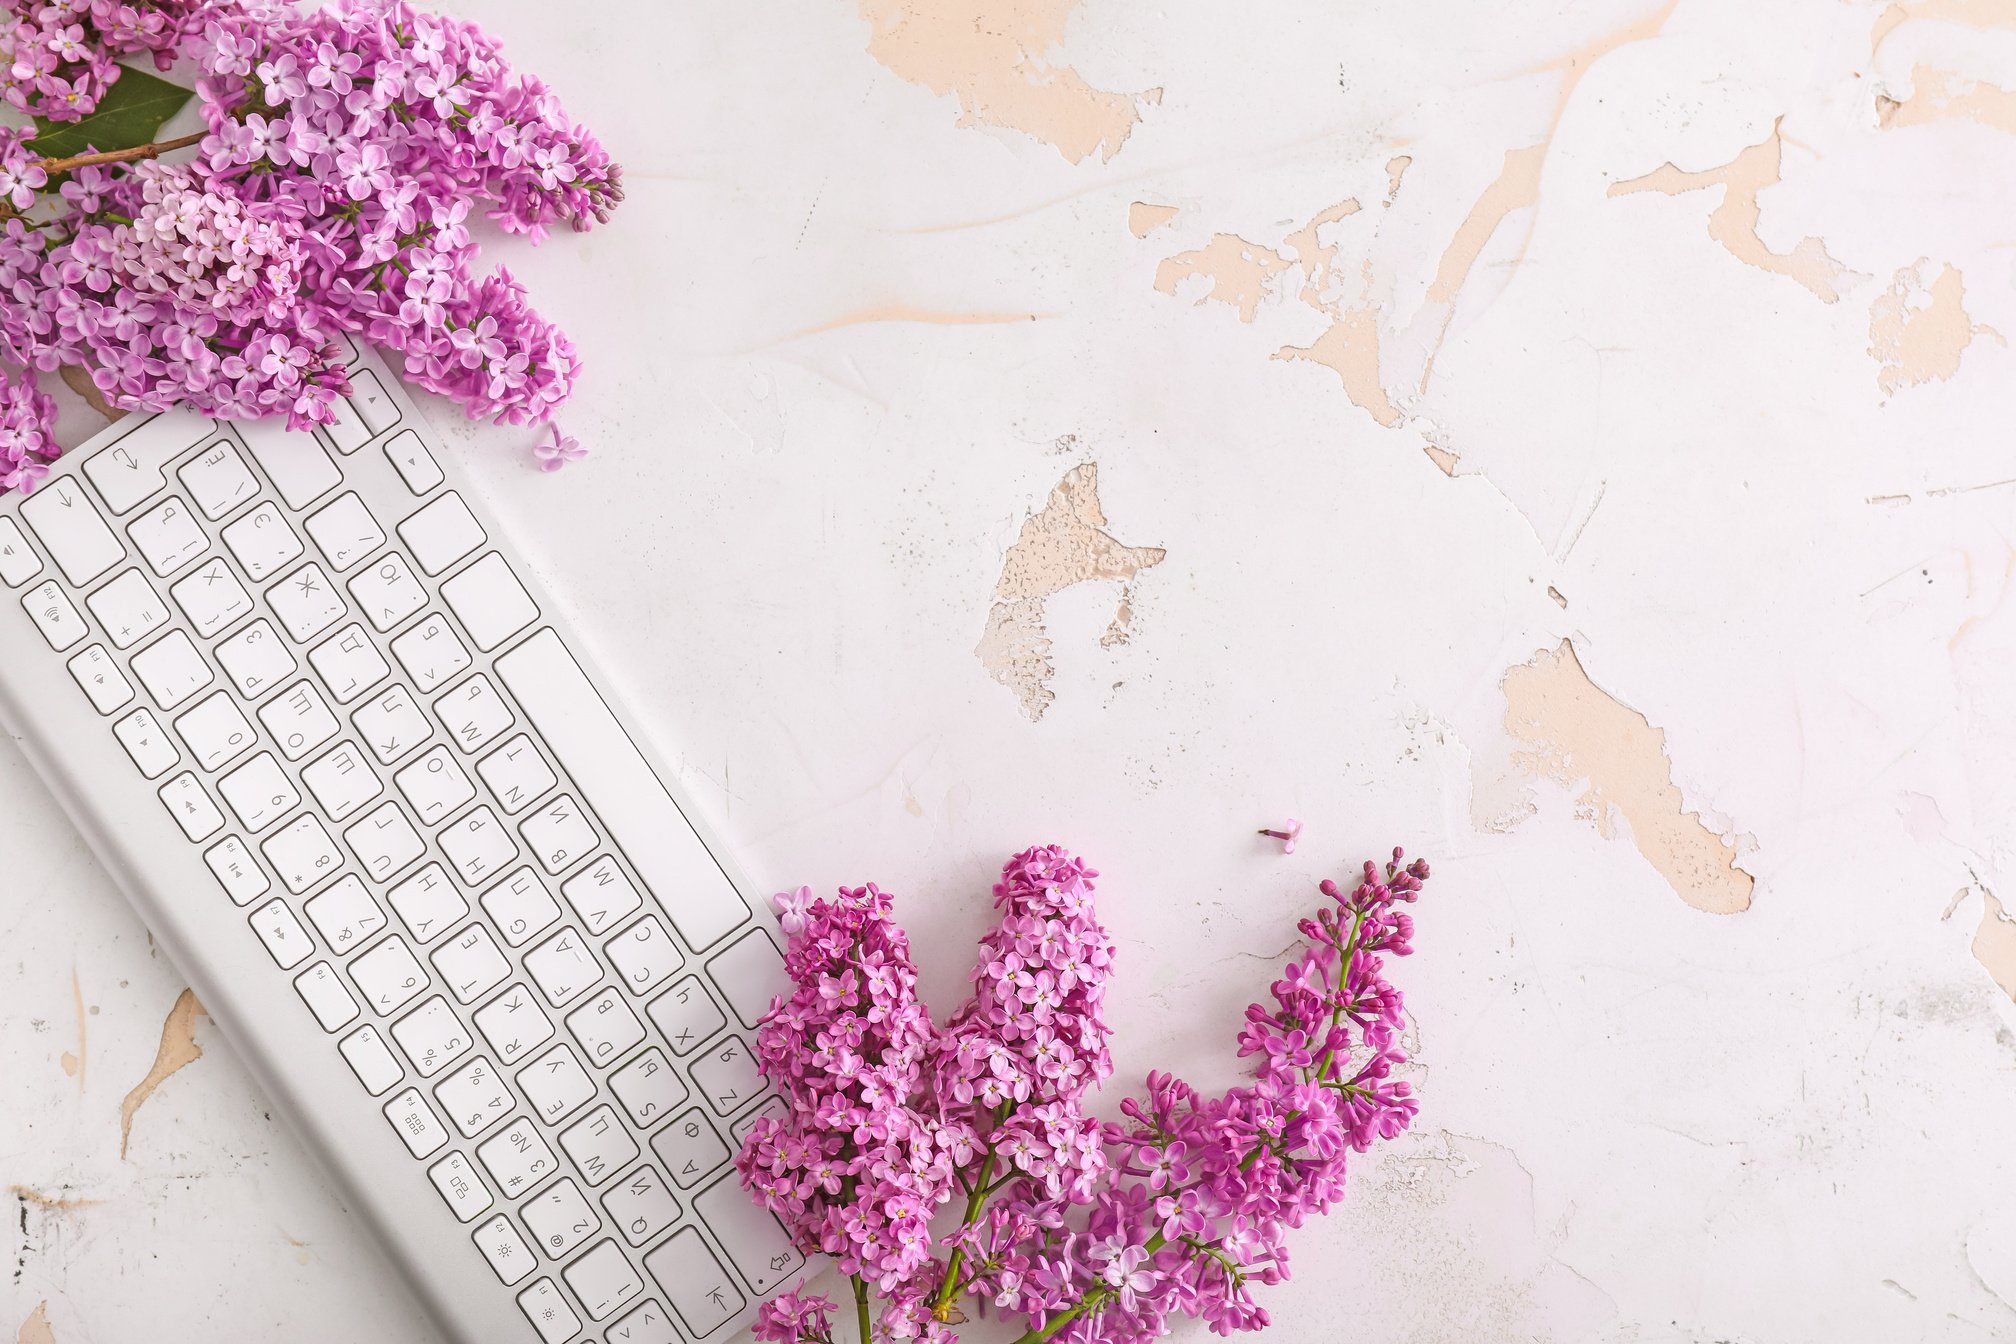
{"type": "Point", "coordinates": [1087, 1232]}
{"type": "Point", "coordinates": [346, 150]}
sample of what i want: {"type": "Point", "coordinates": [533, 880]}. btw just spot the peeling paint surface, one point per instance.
{"type": "Point", "coordinates": [1566, 440]}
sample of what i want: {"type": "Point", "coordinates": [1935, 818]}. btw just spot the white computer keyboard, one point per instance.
{"type": "Point", "coordinates": [295, 690]}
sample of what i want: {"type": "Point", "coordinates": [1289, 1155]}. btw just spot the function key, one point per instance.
{"type": "Point", "coordinates": [371, 1060]}
{"type": "Point", "coordinates": [101, 679]}
{"type": "Point", "coordinates": [506, 1251]}
{"type": "Point", "coordinates": [54, 615]}
{"type": "Point", "coordinates": [546, 1307]}
{"type": "Point", "coordinates": [18, 561]}
{"type": "Point", "coordinates": [244, 880]}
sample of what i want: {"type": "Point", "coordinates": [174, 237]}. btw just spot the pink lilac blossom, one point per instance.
{"type": "Point", "coordinates": [347, 149]}
{"type": "Point", "coordinates": [1089, 1233]}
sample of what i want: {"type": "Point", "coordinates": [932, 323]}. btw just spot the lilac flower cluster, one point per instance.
{"type": "Point", "coordinates": [345, 152]}
{"type": "Point", "coordinates": [1090, 1233]}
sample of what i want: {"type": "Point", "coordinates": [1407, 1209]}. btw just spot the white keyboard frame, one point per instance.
{"type": "Point", "coordinates": [254, 1001]}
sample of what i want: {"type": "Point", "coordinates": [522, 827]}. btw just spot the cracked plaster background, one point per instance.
{"type": "Point", "coordinates": [1572, 443]}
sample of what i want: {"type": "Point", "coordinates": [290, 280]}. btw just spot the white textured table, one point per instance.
{"type": "Point", "coordinates": [1575, 445]}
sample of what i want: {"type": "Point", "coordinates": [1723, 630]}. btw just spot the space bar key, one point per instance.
{"type": "Point", "coordinates": [621, 787]}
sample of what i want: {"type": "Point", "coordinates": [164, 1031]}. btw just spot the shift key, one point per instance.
{"type": "Point", "coordinates": [703, 1293]}
{"type": "Point", "coordinates": [751, 1235]}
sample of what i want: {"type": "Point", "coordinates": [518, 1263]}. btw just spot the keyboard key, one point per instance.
{"type": "Point", "coordinates": [219, 481]}
{"type": "Point", "coordinates": [172, 670]}
{"type": "Point", "coordinates": [384, 841]}
{"type": "Point", "coordinates": [324, 993]}
{"type": "Point", "coordinates": [349, 663]}
{"type": "Point", "coordinates": [693, 1281]}
{"type": "Point", "coordinates": [517, 1158]}
{"type": "Point", "coordinates": [345, 915]}
{"type": "Point", "coordinates": [306, 602]}
{"type": "Point", "coordinates": [686, 1016]}
{"type": "Point", "coordinates": [601, 894]}
{"type": "Point", "coordinates": [514, 1024]}
{"type": "Point", "coordinates": [435, 786]}
{"type": "Point", "coordinates": [470, 964]}
{"type": "Point", "coordinates": [393, 725]}
{"type": "Point", "coordinates": [560, 1218]}
{"type": "Point", "coordinates": [641, 1205]}
{"type": "Point", "coordinates": [459, 1184]}
{"type": "Point", "coordinates": [755, 1242]}
{"type": "Point", "coordinates": [415, 464]}
{"type": "Point", "coordinates": [599, 1145]}
{"type": "Point", "coordinates": [371, 1060]}
{"type": "Point", "coordinates": [244, 881]}
{"type": "Point", "coordinates": [517, 775]}
{"type": "Point", "coordinates": [259, 792]}
{"type": "Point", "coordinates": [374, 406]}
{"type": "Point", "coordinates": [606, 1027]}
{"type": "Point", "coordinates": [428, 902]}
{"type": "Point", "coordinates": [549, 1313]}
{"type": "Point", "coordinates": [689, 1148]}
{"type": "Point", "coordinates": [167, 537]}
{"type": "Point", "coordinates": [54, 615]}
{"type": "Point", "coordinates": [263, 542]}
{"type": "Point", "coordinates": [390, 977]}
{"type": "Point", "coordinates": [474, 1097]}
{"type": "Point", "coordinates": [416, 1124]}
{"type": "Point", "coordinates": [644, 955]}
{"type": "Point", "coordinates": [346, 432]}
{"type": "Point", "coordinates": [345, 530]}
{"type": "Point", "coordinates": [520, 907]}
{"type": "Point", "coordinates": [556, 1084]}
{"type": "Point", "coordinates": [491, 603]}
{"type": "Point", "coordinates": [506, 1251]}
{"type": "Point", "coordinates": [728, 1076]}
{"type": "Point", "coordinates": [18, 561]}
{"type": "Point", "coordinates": [302, 853]}
{"type": "Point", "coordinates": [629, 798]}
{"type": "Point", "coordinates": [292, 459]}
{"type": "Point", "coordinates": [299, 719]}
{"type": "Point", "coordinates": [431, 653]}
{"type": "Point", "coordinates": [473, 713]}
{"type": "Point", "coordinates": [282, 933]}
{"type": "Point", "coordinates": [147, 742]}
{"type": "Point", "coordinates": [558, 835]}
{"type": "Point", "coordinates": [647, 1325]}
{"type": "Point", "coordinates": [191, 807]}
{"type": "Point", "coordinates": [562, 967]}
{"type": "Point", "coordinates": [101, 679]}
{"type": "Point", "coordinates": [649, 1088]}
{"type": "Point", "coordinates": [72, 531]}
{"type": "Point", "coordinates": [256, 659]}
{"type": "Point", "coordinates": [342, 781]}
{"type": "Point", "coordinates": [478, 846]}
{"type": "Point", "coordinates": [129, 609]}
{"type": "Point", "coordinates": [773, 1108]}
{"type": "Point", "coordinates": [212, 598]}
{"type": "Point", "coordinates": [603, 1279]}
{"type": "Point", "coordinates": [130, 470]}
{"type": "Point", "coordinates": [215, 731]}
{"type": "Point", "coordinates": [432, 1036]}
{"type": "Point", "coordinates": [442, 533]}
{"type": "Point", "coordinates": [387, 593]}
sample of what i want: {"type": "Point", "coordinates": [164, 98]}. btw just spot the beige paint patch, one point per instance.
{"type": "Point", "coordinates": [905, 312]}
{"type": "Point", "coordinates": [53, 1203]}
{"type": "Point", "coordinates": [178, 1049]}
{"type": "Point", "coordinates": [1442, 458]}
{"type": "Point", "coordinates": [1143, 218]}
{"type": "Point", "coordinates": [1241, 274]}
{"type": "Point", "coordinates": [1917, 332]}
{"type": "Point", "coordinates": [1995, 942]}
{"type": "Point", "coordinates": [35, 1330]}
{"type": "Point", "coordinates": [1517, 187]}
{"type": "Point", "coordinates": [1937, 95]}
{"type": "Point", "coordinates": [1350, 348]}
{"type": "Point", "coordinates": [1396, 168]}
{"type": "Point", "coordinates": [1065, 543]}
{"type": "Point", "coordinates": [75, 1065]}
{"type": "Point", "coordinates": [1572, 731]}
{"type": "Point", "coordinates": [1733, 223]}
{"type": "Point", "coordinates": [992, 55]}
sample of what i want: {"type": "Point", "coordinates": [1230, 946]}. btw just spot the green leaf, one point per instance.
{"type": "Point", "coordinates": [129, 115]}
